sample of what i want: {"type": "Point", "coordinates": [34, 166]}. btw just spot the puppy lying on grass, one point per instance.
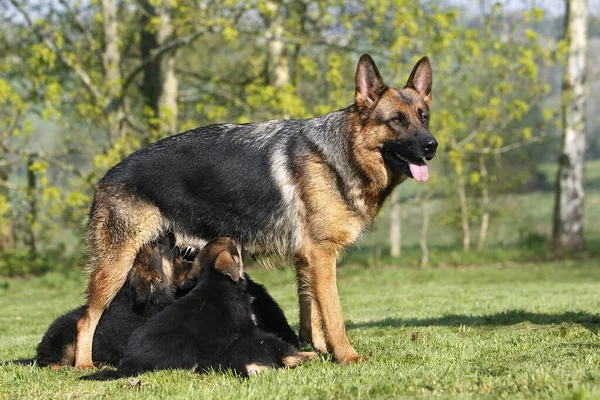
{"type": "Point", "coordinates": [213, 327]}
{"type": "Point", "coordinates": [268, 315]}
{"type": "Point", "coordinates": [149, 288]}
{"type": "Point", "coordinates": [146, 292]}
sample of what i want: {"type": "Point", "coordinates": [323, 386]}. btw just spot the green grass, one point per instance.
{"type": "Point", "coordinates": [528, 330]}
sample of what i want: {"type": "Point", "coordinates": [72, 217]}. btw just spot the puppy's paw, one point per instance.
{"type": "Point", "coordinates": [255, 369]}
{"type": "Point", "coordinates": [299, 358]}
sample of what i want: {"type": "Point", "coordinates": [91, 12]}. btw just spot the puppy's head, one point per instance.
{"type": "Point", "coordinates": [222, 255]}
{"type": "Point", "coordinates": [181, 273]}
{"type": "Point", "coordinates": [152, 268]}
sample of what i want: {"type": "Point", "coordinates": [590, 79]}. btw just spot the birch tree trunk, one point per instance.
{"type": "Point", "coordinates": [568, 209]}
{"type": "Point", "coordinates": [485, 203]}
{"type": "Point", "coordinates": [424, 230]}
{"type": "Point", "coordinates": [7, 241]}
{"type": "Point", "coordinates": [278, 67]}
{"type": "Point", "coordinates": [111, 61]}
{"type": "Point", "coordinates": [464, 211]}
{"type": "Point", "coordinates": [395, 225]}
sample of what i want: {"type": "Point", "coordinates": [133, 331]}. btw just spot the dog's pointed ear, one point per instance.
{"type": "Point", "coordinates": [228, 265]}
{"type": "Point", "coordinates": [368, 81]}
{"type": "Point", "coordinates": [420, 79]}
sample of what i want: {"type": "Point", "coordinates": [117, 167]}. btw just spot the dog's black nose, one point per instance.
{"type": "Point", "coordinates": [429, 148]}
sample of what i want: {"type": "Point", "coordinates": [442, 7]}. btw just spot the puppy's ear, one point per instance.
{"type": "Point", "coordinates": [229, 265]}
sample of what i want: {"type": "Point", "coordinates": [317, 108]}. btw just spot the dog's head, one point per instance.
{"type": "Point", "coordinates": [397, 120]}
{"type": "Point", "coordinates": [152, 269]}
{"type": "Point", "coordinates": [183, 273]}
{"type": "Point", "coordinates": [222, 255]}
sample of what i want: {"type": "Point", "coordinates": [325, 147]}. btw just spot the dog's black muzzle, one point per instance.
{"type": "Point", "coordinates": [414, 149]}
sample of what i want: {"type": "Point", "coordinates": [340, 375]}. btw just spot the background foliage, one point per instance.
{"type": "Point", "coordinates": [84, 83]}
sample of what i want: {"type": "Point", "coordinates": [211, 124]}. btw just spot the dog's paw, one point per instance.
{"type": "Point", "coordinates": [255, 369]}
{"type": "Point", "coordinates": [350, 358]}
{"type": "Point", "coordinates": [299, 358]}
{"type": "Point", "coordinates": [85, 367]}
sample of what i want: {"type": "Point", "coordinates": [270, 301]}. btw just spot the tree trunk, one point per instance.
{"type": "Point", "coordinates": [424, 230]}
{"type": "Point", "coordinates": [159, 85]}
{"type": "Point", "coordinates": [568, 209]}
{"type": "Point", "coordinates": [395, 225]}
{"type": "Point", "coordinates": [278, 62]}
{"type": "Point", "coordinates": [464, 211]}
{"type": "Point", "coordinates": [485, 203]}
{"type": "Point", "coordinates": [111, 60]}
{"type": "Point", "coordinates": [32, 233]}
{"type": "Point", "coordinates": [7, 240]}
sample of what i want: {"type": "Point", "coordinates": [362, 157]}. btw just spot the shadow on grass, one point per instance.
{"type": "Point", "coordinates": [511, 317]}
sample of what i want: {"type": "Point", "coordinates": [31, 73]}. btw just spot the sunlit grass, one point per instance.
{"type": "Point", "coordinates": [525, 330]}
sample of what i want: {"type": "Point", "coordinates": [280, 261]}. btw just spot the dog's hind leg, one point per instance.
{"type": "Point", "coordinates": [120, 224]}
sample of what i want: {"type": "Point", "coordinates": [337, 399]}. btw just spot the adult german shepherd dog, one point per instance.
{"type": "Point", "coordinates": [304, 189]}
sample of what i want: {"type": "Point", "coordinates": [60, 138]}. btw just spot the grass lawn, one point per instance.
{"type": "Point", "coordinates": [527, 330]}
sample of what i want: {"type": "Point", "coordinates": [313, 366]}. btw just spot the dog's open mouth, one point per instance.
{"type": "Point", "coordinates": [416, 169]}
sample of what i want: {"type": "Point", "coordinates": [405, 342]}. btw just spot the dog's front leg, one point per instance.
{"type": "Point", "coordinates": [310, 316]}
{"type": "Point", "coordinates": [319, 265]}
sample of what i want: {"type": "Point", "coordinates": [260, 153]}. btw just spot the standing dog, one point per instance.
{"type": "Point", "coordinates": [212, 327]}
{"type": "Point", "coordinates": [299, 188]}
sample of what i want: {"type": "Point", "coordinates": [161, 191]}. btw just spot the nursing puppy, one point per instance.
{"type": "Point", "coordinates": [149, 288]}
{"type": "Point", "coordinates": [268, 315]}
{"type": "Point", "coordinates": [212, 327]}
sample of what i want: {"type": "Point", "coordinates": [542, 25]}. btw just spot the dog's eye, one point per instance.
{"type": "Point", "coordinates": [399, 118]}
{"type": "Point", "coordinates": [424, 117]}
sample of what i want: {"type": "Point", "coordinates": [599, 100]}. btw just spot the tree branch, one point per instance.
{"type": "Point", "coordinates": [83, 76]}
{"type": "Point", "coordinates": [159, 51]}
{"type": "Point", "coordinates": [78, 23]}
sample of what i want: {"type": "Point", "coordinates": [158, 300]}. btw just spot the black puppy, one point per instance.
{"type": "Point", "coordinates": [149, 288]}
{"type": "Point", "coordinates": [268, 315]}
{"type": "Point", "coordinates": [212, 327]}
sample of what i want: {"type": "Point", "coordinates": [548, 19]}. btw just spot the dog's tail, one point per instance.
{"type": "Point", "coordinates": [20, 361]}
{"type": "Point", "coordinates": [107, 375]}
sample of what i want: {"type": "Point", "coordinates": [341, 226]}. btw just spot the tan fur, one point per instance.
{"type": "Point", "coordinates": [310, 316]}
{"type": "Point", "coordinates": [146, 271]}
{"type": "Point", "coordinates": [255, 369]}
{"type": "Point", "coordinates": [299, 358]}
{"type": "Point", "coordinates": [229, 265]}
{"type": "Point", "coordinates": [182, 270]}
{"type": "Point", "coordinates": [120, 224]}
{"type": "Point", "coordinates": [68, 357]}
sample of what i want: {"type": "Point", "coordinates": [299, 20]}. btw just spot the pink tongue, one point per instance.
{"type": "Point", "coordinates": [419, 172]}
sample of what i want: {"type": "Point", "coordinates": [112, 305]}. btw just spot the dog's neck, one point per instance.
{"type": "Point", "coordinates": [366, 178]}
